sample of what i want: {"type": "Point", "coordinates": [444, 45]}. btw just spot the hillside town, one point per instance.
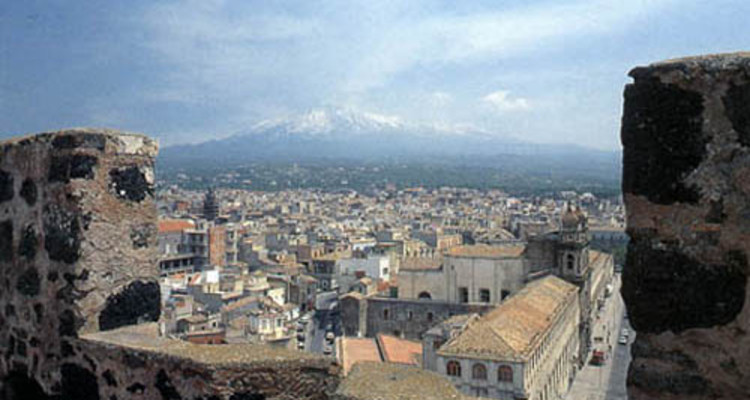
{"type": "Point", "coordinates": [503, 296]}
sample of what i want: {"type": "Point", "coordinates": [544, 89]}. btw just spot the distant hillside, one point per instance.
{"type": "Point", "coordinates": [329, 137]}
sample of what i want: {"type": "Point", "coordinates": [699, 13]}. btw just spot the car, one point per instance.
{"type": "Point", "coordinates": [300, 328]}
{"type": "Point", "coordinates": [623, 339]}
{"type": "Point", "coordinates": [330, 336]}
{"type": "Point", "coordinates": [301, 336]}
{"type": "Point", "coordinates": [329, 327]}
{"type": "Point", "coordinates": [327, 350]}
{"type": "Point", "coordinates": [300, 345]}
{"type": "Point", "coordinates": [597, 358]}
{"type": "Point", "coordinates": [625, 332]}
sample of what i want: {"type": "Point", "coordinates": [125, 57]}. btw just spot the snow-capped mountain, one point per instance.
{"type": "Point", "coordinates": [323, 121]}
{"type": "Point", "coordinates": [334, 133]}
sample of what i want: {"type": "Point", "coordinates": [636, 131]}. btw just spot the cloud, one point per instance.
{"type": "Point", "coordinates": [440, 99]}
{"type": "Point", "coordinates": [503, 102]}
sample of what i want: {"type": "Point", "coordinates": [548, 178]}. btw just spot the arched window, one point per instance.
{"type": "Point", "coordinates": [505, 374]}
{"type": "Point", "coordinates": [453, 368]}
{"type": "Point", "coordinates": [571, 261]}
{"type": "Point", "coordinates": [425, 296]}
{"type": "Point", "coordinates": [479, 372]}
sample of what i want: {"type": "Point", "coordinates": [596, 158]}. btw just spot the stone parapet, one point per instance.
{"type": "Point", "coordinates": [686, 183]}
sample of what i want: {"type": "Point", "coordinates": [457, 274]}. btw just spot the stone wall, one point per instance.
{"type": "Point", "coordinates": [78, 286]}
{"type": "Point", "coordinates": [686, 182]}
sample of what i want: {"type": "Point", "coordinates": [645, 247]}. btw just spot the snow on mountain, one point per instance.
{"type": "Point", "coordinates": [337, 121]}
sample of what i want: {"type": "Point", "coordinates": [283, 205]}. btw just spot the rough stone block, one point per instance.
{"type": "Point", "coordinates": [686, 183]}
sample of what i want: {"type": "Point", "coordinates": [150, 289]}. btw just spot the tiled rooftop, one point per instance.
{"type": "Point", "coordinates": [175, 225]}
{"type": "Point", "coordinates": [485, 251]}
{"type": "Point", "coordinates": [372, 381]}
{"type": "Point", "coordinates": [401, 351]}
{"type": "Point", "coordinates": [356, 350]}
{"type": "Point", "coordinates": [513, 329]}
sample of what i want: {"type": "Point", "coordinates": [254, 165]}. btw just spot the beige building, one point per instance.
{"type": "Point", "coordinates": [465, 274]}
{"type": "Point", "coordinates": [527, 348]}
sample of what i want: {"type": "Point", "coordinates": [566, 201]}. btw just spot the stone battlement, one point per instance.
{"type": "Point", "coordinates": [79, 294]}
{"type": "Point", "coordinates": [686, 183]}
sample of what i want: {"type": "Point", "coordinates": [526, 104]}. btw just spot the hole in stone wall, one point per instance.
{"type": "Point", "coordinates": [18, 386]}
{"type": "Point", "coordinates": [138, 302]}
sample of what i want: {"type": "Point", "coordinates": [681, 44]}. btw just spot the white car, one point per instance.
{"type": "Point", "coordinates": [625, 332]}
{"type": "Point", "coordinates": [623, 340]}
{"type": "Point", "coordinates": [330, 336]}
{"type": "Point", "coordinates": [327, 350]}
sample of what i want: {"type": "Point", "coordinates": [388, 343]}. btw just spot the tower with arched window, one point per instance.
{"type": "Point", "coordinates": [573, 246]}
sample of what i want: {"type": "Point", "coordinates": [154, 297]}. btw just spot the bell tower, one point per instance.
{"type": "Point", "coordinates": [573, 248]}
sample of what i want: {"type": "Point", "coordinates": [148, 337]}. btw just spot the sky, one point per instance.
{"type": "Point", "coordinates": [195, 70]}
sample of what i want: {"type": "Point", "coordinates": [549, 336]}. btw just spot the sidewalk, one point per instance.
{"type": "Point", "coordinates": [594, 382]}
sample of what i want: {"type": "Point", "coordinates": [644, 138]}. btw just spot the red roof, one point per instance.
{"type": "Point", "coordinates": [400, 351]}
{"type": "Point", "coordinates": [175, 225]}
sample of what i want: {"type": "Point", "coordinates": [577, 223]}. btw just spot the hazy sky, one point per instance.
{"type": "Point", "coordinates": [192, 70]}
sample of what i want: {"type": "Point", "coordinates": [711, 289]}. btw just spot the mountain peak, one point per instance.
{"type": "Point", "coordinates": [328, 120]}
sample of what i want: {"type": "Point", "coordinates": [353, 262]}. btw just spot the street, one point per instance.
{"type": "Point", "coordinates": [607, 381]}
{"type": "Point", "coordinates": [325, 313]}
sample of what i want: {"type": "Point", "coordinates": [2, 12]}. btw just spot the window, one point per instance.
{"type": "Point", "coordinates": [463, 295]}
{"type": "Point", "coordinates": [479, 372]}
{"type": "Point", "coordinates": [484, 295]}
{"type": "Point", "coordinates": [505, 374]}
{"type": "Point", "coordinates": [410, 315]}
{"type": "Point", "coordinates": [425, 296]}
{"type": "Point", "coordinates": [504, 294]}
{"type": "Point", "coordinates": [571, 261]}
{"type": "Point", "coordinates": [453, 368]}
{"type": "Point", "coordinates": [429, 317]}
{"type": "Point", "coordinates": [385, 314]}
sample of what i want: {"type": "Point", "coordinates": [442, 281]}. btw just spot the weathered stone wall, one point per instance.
{"type": "Point", "coordinates": [686, 181]}
{"type": "Point", "coordinates": [78, 269]}
{"type": "Point", "coordinates": [77, 225]}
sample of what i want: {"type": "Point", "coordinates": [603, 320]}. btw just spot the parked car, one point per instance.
{"type": "Point", "coordinates": [330, 336]}
{"type": "Point", "coordinates": [625, 332]}
{"type": "Point", "coordinates": [300, 345]}
{"type": "Point", "coordinates": [327, 350]}
{"type": "Point", "coordinates": [597, 358]}
{"type": "Point", "coordinates": [623, 339]}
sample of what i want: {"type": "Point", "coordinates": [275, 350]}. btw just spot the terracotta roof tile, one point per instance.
{"type": "Point", "coordinates": [175, 225]}
{"type": "Point", "coordinates": [514, 328]}
{"type": "Point", "coordinates": [400, 351]}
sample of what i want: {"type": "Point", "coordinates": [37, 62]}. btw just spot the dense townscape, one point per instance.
{"type": "Point", "coordinates": [407, 276]}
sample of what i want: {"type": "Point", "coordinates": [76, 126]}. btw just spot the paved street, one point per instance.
{"type": "Point", "coordinates": [325, 314]}
{"type": "Point", "coordinates": [606, 381]}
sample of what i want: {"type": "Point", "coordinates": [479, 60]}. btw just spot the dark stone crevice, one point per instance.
{"type": "Point", "coordinates": [29, 243]}
{"type": "Point", "coordinates": [62, 234]}
{"type": "Point", "coordinates": [17, 385]}
{"type": "Point", "coordinates": [6, 186]}
{"type": "Point", "coordinates": [78, 383]}
{"type": "Point", "coordinates": [77, 166]}
{"type": "Point", "coordinates": [29, 282]}
{"type": "Point", "coordinates": [666, 289]}
{"type": "Point", "coordinates": [130, 184]}
{"type": "Point", "coordinates": [6, 240]}
{"type": "Point", "coordinates": [29, 192]}
{"type": "Point", "coordinates": [138, 302]}
{"type": "Point", "coordinates": [662, 139]}
{"type": "Point", "coordinates": [737, 104]}
{"type": "Point", "coordinates": [165, 387]}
